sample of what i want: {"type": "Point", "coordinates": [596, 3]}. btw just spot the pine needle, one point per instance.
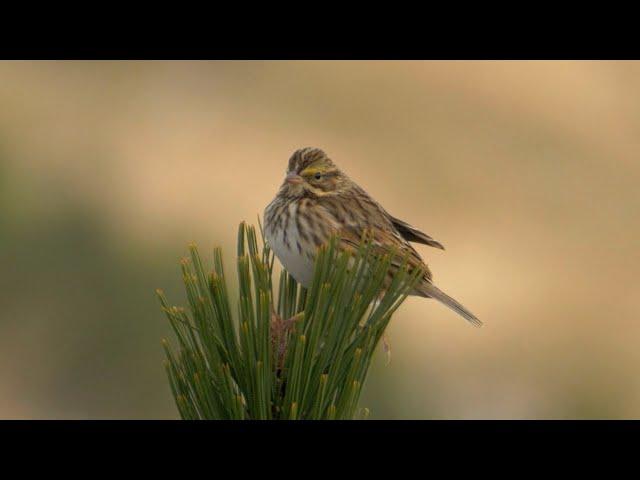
{"type": "Point", "coordinates": [307, 361]}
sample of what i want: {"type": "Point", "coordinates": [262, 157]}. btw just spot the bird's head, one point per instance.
{"type": "Point", "coordinates": [311, 172]}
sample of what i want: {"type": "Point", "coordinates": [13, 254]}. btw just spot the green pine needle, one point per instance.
{"type": "Point", "coordinates": [250, 366]}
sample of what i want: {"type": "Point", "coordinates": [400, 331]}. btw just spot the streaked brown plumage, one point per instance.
{"type": "Point", "coordinates": [318, 200]}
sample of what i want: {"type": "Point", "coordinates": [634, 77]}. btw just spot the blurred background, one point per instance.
{"type": "Point", "coordinates": [527, 172]}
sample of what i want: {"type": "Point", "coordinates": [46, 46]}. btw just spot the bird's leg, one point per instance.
{"type": "Point", "coordinates": [279, 329]}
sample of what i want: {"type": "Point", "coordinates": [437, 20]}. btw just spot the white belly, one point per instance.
{"type": "Point", "coordinates": [295, 262]}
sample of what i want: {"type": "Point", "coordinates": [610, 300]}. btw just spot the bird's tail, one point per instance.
{"type": "Point", "coordinates": [428, 289]}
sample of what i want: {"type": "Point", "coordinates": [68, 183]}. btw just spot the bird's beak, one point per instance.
{"type": "Point", "coordinates": [293, 178]}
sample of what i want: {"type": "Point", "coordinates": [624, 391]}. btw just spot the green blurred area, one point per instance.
{"type": "Point", "coordinates": [526, 171]}
{"type": "Point", "coordinates": [80, 330]}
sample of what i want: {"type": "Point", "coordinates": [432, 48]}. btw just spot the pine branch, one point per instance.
{"type": "Point", "coordinates": [294, 354]}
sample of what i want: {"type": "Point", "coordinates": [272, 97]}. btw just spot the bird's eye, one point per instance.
{"type": "Point", "coordinates": [317, 176]}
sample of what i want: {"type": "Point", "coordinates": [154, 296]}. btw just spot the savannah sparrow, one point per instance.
{"type": "Point", "coordinates": [316, 201]}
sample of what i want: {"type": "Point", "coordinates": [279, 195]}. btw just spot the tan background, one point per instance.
{"type": "Point", "coordinates": [527, 172]}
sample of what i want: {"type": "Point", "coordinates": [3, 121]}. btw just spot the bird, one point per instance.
{"type": "Point", "coordinates": [317, 200]}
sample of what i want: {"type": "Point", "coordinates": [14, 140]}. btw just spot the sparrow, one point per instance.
{"type": "Point", "coordinates": [317, 201]}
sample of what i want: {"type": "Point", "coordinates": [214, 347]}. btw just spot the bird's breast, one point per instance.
{"type": "Point", "coordinates": [283, 233]}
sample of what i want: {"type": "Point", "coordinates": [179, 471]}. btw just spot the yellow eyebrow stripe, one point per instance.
{"type": "Point", "coordinates": [311, 171]}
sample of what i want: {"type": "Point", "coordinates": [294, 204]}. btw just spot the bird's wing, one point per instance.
{"type": "Point", "coordinates": [368, 215]}
{"type": "Point", "coordinates": [385, 241]}
{"type": "Point", "coordinates": [412, 234]}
